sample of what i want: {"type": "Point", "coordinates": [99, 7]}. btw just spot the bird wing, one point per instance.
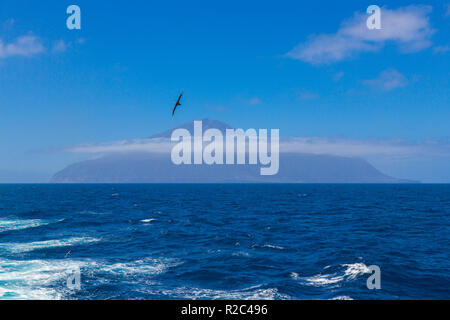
{"type": "Point", "coordinates": [178, 101]}
{"type": "Point", "coordinates": [177, 104]}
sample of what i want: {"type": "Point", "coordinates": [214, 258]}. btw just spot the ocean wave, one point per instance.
{"type": "Point", "coordinates": [46, 279]}
{"type": "Point", "coordinates": [47, 244]}
{"type": "Point", "coordinates": [294, 275]}
{"type": "Point", "coordinates": [148, 220]}
{"type": "Point", "coordinates": [240, 254]}
{"type": "Point", "coordinates": [93, 212]}
{"type": "Point", "coordinates": [355, 269]}
{"type": "Point", "coordinates": [268, 246]}
{"type": "Point", "coordinates": [348, 272]}
{"type": "Point", "coordinates": [35, 279]}
{"type": "Point", "coordinates": [323, 280]}
{"type": "Point", "coordinates": [19, 224]}
{"type": "Point", "coordinates": [144, 266]}
{"type": "Point", "coordinates": [252, 293]}
{"type": "Point", "coordinates": [342, 298]}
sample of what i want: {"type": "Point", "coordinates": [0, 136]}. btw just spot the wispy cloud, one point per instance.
{"type": "Point", "coordinates": [338, 76]}
{"type": "Point", "coordinates": [30, 45]}
{"type": "Point", "coordinates": [307, 95]}
{"type": "Point", "coordinates": [441, 49]}
{"type": "Point", "coordinates": [347, 147]}
{"type": "Point", "coordinates": [218, 108]}
{"type": "Point", "coordinates": [157, 145]}
{"type": "Point", "coordinates": [59, 46]}
{"type": "Point", "coordinates": [25, 46]}
{"type": "Point", "coordinates": [254, 101]}
{"type": "Point", "coordinates": [388, 80]}
{"type": "Point", "coordinates": [408, 27]}
{"type": "Point", "coordinates": [8, 24]}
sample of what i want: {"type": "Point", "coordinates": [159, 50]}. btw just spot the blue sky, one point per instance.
{"type": "Point", "coordinates": [305, 68]}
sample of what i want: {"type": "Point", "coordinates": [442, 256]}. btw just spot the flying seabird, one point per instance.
{"type": "Point", "coordinates": [177, 104]}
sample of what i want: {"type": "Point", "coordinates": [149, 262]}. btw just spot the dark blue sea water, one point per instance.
{"type": "Point", "coordinates": [226, 241]}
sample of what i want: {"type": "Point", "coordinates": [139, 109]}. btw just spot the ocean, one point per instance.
{"type": "Point", "coordinates": [224, 241]}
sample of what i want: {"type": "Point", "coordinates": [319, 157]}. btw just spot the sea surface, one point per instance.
{"type": "Point", "coordinates": [224, 241]}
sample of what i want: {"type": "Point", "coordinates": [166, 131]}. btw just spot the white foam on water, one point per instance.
{"type": "Point", "coordinates": [47, 279]}
{"type": "Point", "coordinates": [342, 298]}
{"type": "Point", "coordinates": [268, 246]}
{"type": "Point", "coordinates": [36, 279]}
{"type": "Point", "coordinates": [19, 224]}
{"type": "Point", "coordinates": [351, 272]}
{"type": "Point", "coordinates": [30, 246]}
{"type": "Point", "coordinates": [355, 269]}
{"type": "Point", "coordinates": [252, 293]}
{"type": "Point", "coordinates": [294, 275]}
{"type": "Point", "coordinates": [148, 220]}
{"type": "Point", "coordinates": [241, 254]}
{"type": "Point", "coordinates": [323, 280]}
{"type": "Point", "coordinates": [144, 266]}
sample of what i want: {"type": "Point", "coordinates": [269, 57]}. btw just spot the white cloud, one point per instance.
{"type": "Point", "coordinates": [388, 80]}
{"type": "Point", "coordinates": [338, 76]}
{"type": "Point", "coordinates": [347, 147]}
{"type": "Point", "coordinates": [254, 101]}
{"type": "Point", "coordinates": [441, 49]}
{"type": "Point", "coordinates": [407, 27]}
{"type": "Point", "coordinates": [22, 46]}
{"type": "Point", "coordinates": [59, 46]}
{"type": "Point", "coordinates": [138, 145]}
{"type": "Point", "coordinates": [310, 145]}
{"type": "Point", "coordinates": [218, 108]}
{"type": "Point", "coordinates": [327, 48]}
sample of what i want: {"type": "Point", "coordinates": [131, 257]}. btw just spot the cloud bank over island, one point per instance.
{"type": "Point", "coordinates": [313, 145]}
{"type": "Point", "coordinates": [313, 155]}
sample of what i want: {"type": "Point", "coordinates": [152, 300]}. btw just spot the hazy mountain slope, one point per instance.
{"type": "Point", "coordinates": [158, 167]}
